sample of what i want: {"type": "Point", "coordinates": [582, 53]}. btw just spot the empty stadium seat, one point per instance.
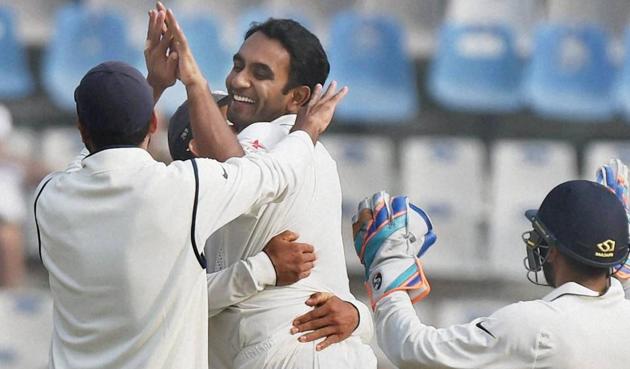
{"type": "Point", "coordinates": [523, 172]}
{"type": "Point", "coordinates": [26, 321]}
{"type": "Point", "coordinates": [214, 60]}
{"type": "Point", "coordinates": [445, 176]}
{"type": "Point", "coordinates": [15, 78]}
{"type": "Point", "coordinates": [476, 68]}
{"type": "Point", "coordinates": [598, 153]}
{"type": "Point", "coordinates": [367, 54]}
{"type": "Point", "coordinates": [571, 75]}
{"type": "Point", "coordinates": [82, 40]}
{"type": "Point", "coordinates": [365, 166]}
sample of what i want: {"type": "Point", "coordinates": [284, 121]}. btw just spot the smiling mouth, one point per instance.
{"type": "Point", "coordinates": [242, 99]}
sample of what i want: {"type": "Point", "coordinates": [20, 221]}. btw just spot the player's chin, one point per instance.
{"type": "Point", "coordinates": [240, 118]}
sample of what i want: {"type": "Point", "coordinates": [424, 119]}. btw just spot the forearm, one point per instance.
{"type": "Point", "coordinates": [400, 333]}
{"type": "Point", "coordinates": [214, 137]}
{"type": "Point", "coordinates": [238, 282]}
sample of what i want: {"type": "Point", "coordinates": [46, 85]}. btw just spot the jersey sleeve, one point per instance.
{"type": "Point", "coordinates": [482, 343]}
{"type": "Point", "coordinates": [227, 190]}
{"type": "Point", "coordinates": [238, 282]}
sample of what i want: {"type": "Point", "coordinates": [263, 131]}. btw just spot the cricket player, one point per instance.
{"type": "Point", "coordinates": [276, 72]}
{"type": "Point", "coordinates": [579, 236]}
{"type": "Point", "coordinates": [117, 229]}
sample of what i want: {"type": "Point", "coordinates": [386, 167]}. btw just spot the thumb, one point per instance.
{"type": "Point", "coordinates": [318, 298]}
{"type": "Point", "coordinates": [173, 57]}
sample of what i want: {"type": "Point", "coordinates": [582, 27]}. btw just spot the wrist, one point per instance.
{"type": "Point", "coordinates": [356, 309]}
{"type": "Point", "coordinates": [196, 83]}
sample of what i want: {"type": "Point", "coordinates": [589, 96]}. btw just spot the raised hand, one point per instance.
{"type": "Point", "coordinates": [390, 235]}
{"type": "Point", "coordinates": [187, 69]}
{"type": "Point", "coordinates": [315, 117]}
{"type": "Point", "coordinates": [161, 62]}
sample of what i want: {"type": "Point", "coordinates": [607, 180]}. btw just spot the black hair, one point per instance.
{"type": "Point", "coordinates": [309, 62]}
{"type": "Point", "coordinates": [101, 139]}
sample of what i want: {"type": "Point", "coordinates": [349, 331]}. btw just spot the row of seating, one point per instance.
{"type": "Point", "coordinates": [476, 67]}
{"type": "Point", "coordinates": [367, 54]}
{"type": "Point", "coordinates": [476, 194]}
{"type": "Point", "coordinates": [570, 75]}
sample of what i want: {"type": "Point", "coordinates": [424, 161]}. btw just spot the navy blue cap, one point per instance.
{"type": "Point", "coordinates": [113, 98]}
{"type": "Point", "coordinates": [586, 221]}
{"type": "Point", "coordinates": [179, 131]}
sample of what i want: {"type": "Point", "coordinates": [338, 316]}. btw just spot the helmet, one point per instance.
{"type": "Point", "coordinates": [584, 220]}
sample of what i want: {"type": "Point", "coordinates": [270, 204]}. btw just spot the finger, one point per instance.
{"type": "Point", "coordinates": [327, 342]}
{"type": "Point", "coordinates": [317, 92]}
{"type": "Point", "coordinates": [305, 247]}
{"type": "Point", "coordinates": [288, 235]}
{"type": "Point", "coordinates": [304, 275]}
{"type": "Point", "coordinates": [153, 31]}
{"type": "Point", "coordinates": [318, 298]}
{"type": "Point", "coordinates": [151, 14]}
{"type": "Point", "coordinates": [309, 257]}
{"type": "Point", "coordinates": [315, 335]}
{"type": "Point", "coordinates": [307, 267]}
{"type": "Point", "coordinates": [159, 6]}
{"type": "Point", "coordinates": [181, 42]}
{"type": "Point", "coordinates": [330, 91]}
{"type": "Point", "coordinates": [339, 96]}
{"type": "Point", "coordinates": [171, 62]}
{"type": "Point", "coordinates": [165, 42]}
{"type": "Point", "coordinates": [311, 315]}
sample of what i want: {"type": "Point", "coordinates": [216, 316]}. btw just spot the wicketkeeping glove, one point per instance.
{"type": "Point", "coordinates": [389, 244]}
{"type": "Point", "coordinates": [614, 175]}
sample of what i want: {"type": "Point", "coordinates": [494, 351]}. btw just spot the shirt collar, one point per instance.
{"type": "Point", "coordinates": [283, 120]}
{"type": "Point", "coordinates": [114, 158]}
{"type": "Point", "coordinates": [571, 288]}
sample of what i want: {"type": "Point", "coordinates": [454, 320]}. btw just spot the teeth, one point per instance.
{"type": "Point", "coordinates": [242, 99]}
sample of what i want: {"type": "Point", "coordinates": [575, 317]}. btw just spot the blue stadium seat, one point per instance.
{"type": "Point", "coordinates": [212, 57]}
{"type": "Point", "coordinates": [15, 78]}
{"type": "Point", "coordinates": [622, 90]}
{"type": "Point", "coordinates": [367, 53]}
{"type": "Point", "coordinates": [476, 68]}
{"type": "Point", "coordinates": [82, 40]}
{"type": "Point", "coordinates": [571, 75]}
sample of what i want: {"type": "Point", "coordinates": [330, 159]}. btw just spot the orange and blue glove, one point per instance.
{"type": "Point", "coordinates": [390, 236]}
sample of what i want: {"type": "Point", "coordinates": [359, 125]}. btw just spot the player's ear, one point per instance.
{"type": "Point", "coordinates": [299, 96]}
{"type": "Point", "coordinates": [153, 124]}
{"type": "Point", "coordinates": [192, 147]}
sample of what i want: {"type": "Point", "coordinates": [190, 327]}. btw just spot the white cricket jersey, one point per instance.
{"type": "Point", "coordinates": [572, 327]}
{"type": "Point", "coordinates": [251, 318]}
{"type": "Point", "coordinates": [128, 290]}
